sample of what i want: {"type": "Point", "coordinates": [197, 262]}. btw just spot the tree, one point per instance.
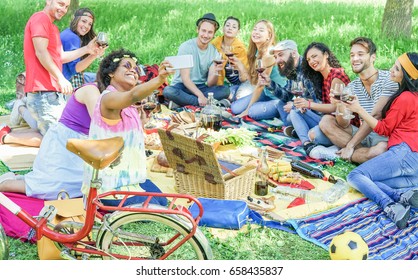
{"type": "Point", "coordinates": [397, 18]}
{"type": "Point", "coordinates": [74, 5]}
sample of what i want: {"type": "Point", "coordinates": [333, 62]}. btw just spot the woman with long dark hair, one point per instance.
{"type": "Point", "coordinates": [391, 179]}
{"type": "Point", "coordinates": [322, 68]}
{"type": "Point", "coordinates": [79, 34]}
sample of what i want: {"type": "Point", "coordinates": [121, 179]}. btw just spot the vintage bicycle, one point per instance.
{"type": "Point", "coordinates": [139, 231]}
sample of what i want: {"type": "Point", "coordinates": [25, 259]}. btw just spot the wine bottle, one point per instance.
{"type": "Point", "coordinates": [307, 170]}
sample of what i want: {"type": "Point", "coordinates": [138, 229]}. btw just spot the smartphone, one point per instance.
{"type": "Point", "coordinates": [180, 61]}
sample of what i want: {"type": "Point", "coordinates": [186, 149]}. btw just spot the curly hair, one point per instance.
{"type": "Point", "coordinates": [109, 65]}
{"type": "Point", "coordinates": [407, 83]}
{"type": "Point", "coordinates": [314, 76]}
{"type": "Point", "coordinates": [252, 50]}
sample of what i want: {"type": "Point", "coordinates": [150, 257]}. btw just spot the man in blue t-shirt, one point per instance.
{"type": "Point", "coordinates": [190, 86]}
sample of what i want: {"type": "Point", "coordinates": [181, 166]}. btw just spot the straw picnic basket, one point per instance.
{"type": "Point", "coordinates": [197, 171]}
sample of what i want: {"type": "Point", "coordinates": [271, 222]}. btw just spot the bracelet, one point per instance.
{"type": "Point", "coordinates": [309, 104]}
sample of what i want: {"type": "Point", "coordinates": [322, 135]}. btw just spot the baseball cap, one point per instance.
{"type": "Point", "coordinates": [284, 45]}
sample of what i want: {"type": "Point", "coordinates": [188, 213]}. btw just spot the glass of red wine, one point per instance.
{"type": "Point", "coordinates": [337, 91]}
{"type": "Point", "coordinates": [218, 60]}
{"type": "Point", "coordinates": [347, 95]}
{"type": "Point", "coordinates": [260, 68]}
{"type": "Point", "coordinates": [102, 40]}
{"type": "Point", "coordinates": [229, 52]}
{"type": "Point", "coordinates": [297, 90]}
{"type": "Point", "coordinates": [150, 104]}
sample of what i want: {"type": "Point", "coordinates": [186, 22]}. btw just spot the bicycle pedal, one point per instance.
{"type": "Point", "coordinates": [48, 212]}
{"type": "Point", "coordinates": [66, 255]}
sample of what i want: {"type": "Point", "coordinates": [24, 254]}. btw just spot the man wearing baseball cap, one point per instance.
{"type": "Point", "coordinates": [289, 63]}
{"type": "Point", "coordinates": [190, 86]}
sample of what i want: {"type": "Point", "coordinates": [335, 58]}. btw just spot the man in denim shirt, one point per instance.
{"type": "Point", "coordinates": [289, 63]}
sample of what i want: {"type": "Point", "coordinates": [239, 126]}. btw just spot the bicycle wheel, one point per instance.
{"type": "Point", "coordinates": [149, 236]}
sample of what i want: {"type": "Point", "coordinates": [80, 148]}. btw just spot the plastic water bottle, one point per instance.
{"type": "Point", "coordinates": [338, 190]}
{"type": "Point", "coordinates": [287, 193]}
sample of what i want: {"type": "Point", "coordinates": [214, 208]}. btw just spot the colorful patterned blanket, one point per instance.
{"type": "Point", "coordinates": [363, 216]}
{"type": "Point", "coordinates": [270, 133]}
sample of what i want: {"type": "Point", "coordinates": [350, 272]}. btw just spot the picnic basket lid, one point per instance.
{"type": "Point", "coordinates": [191, 156]}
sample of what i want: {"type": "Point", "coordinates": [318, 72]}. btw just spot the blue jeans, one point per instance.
{"type": "Point", "coordinates": [182, 96]}
{"type": "Point", "coordinates": [46, 108]}
{"type": "Point", "coordinates": [384, 178]}
{"type": "Point", "coordinates": [303, 122]}
{"type": "Point", "coordinates": [265, 108]}
{"type": "Point", "coordinates": [284, 116]}
{"type": "Point", "coordinates": [148, 186]}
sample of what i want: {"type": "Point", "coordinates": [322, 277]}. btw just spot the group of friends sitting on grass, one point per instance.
{"type": "Point", "coordinates": [371, 121]}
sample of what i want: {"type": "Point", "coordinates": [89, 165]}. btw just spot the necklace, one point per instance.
{"type": "Point", "coordinates": [363, 80]}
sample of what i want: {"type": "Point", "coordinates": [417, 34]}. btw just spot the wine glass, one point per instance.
{"type": "Point", "coordinates": [347, 95]}
{"type": "Point", "coordinates": [337, 91]}
{"type": "Point", "coordinates": [260, 66]}
{"type": "Point", "coordinates": [150, 104]}
{"type": "Point", "coordinates": [229, 52]}
{"type": "Point", "coordinates": [297, 90]}
{"type": "Point", "coordinates": [218, 60]}
{"type": "Point", "coordinates": [102, 39]}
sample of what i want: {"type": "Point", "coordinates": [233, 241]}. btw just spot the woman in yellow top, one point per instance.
{"type": "Point", "coordinates": [230, 30]}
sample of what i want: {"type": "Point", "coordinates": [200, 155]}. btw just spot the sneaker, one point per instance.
{"type": "Point", "coordinates": [321, 152]}
{"type": "Point", "coordinates": [290, 132]}
{"type": "Point", "coordinates": [3, 132]}
{"type": "Point", "coordinates": [398, 213]}
{"type": "Point", "coordinates": [410, 198]}
{"type": "Point", "coordinates": [308, 147]}
{"type": "Point", "coordinates": [7, 176]}
{"type": "Point", "coordinates": [224, 103]}
{"type": "Point", "coordinates": [173, 106]}
{"type": "Point", "coordinates": [15, 117]}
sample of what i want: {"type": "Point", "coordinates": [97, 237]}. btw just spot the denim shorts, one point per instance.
{"type": "Point", "coordinates": [371, 140]}
{"type": "Point", "coordinates": [45, 107]}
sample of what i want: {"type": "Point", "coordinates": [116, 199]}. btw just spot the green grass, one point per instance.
{"type": "Point", "coordinates": [155, 29]}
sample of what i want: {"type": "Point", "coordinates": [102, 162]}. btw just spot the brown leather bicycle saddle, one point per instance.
{"type": "Point", "coordinates": [97, 153]}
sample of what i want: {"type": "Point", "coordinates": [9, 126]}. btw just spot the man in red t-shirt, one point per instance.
{"type": "Point", "coordinates": [44, 56]}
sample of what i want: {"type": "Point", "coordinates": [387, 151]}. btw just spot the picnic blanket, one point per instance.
{"type": "Point", "coordinates": [366, 218]}
{"type": "Point", "coordinates": [270, 133]}
{"type": "Point", "coordinates": [17, 157]}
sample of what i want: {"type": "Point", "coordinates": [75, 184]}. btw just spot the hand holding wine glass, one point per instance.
{"type": "Point", "coordinates": [347, 95]}
{"type": "Point", "coordinates": [336, 91]}
{"type": "Point", "coordinates": [229, 52]}
{"type": "Point", "coordinates": [102, 40]}
{"type": "Point", "coordinates": [218, 61]}
{"type": "Point", "coordinates": [259, 66]}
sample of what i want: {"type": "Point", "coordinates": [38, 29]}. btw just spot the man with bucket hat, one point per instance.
{"type": "Point", "coordinates": [190, 86]}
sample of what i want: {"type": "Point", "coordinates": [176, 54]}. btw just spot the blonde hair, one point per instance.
{"type": "Point", "coordinates": [252, 50]}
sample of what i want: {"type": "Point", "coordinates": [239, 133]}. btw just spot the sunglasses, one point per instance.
{"type": "Point", "coordinates": [128, 65]}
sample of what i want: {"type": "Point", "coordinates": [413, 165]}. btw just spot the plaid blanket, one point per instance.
{"type": "Point", "coordinates": [270, 133]}
{"type": "Point", "coordinates": [363, 216]}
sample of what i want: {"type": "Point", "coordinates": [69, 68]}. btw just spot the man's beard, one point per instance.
{"type": "Point", "coordinates": [289, 70]}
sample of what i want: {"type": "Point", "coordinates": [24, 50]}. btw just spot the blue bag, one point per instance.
{"type": "Point", "coordinates": [221, 213]}
{"type": "Point", "coordinates": [232, 214]}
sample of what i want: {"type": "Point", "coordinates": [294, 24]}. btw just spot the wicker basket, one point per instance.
{"type": "Point", "coordinates": [197, 171]}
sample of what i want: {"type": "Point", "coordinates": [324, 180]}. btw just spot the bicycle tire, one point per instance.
{"type": "Point", "coordinates": [197, 247]}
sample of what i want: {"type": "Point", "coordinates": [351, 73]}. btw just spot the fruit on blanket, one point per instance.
{"type": "Point", "coordinates": [162, 159]}
{"type": "Point", "coordinates": [348, 246]}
